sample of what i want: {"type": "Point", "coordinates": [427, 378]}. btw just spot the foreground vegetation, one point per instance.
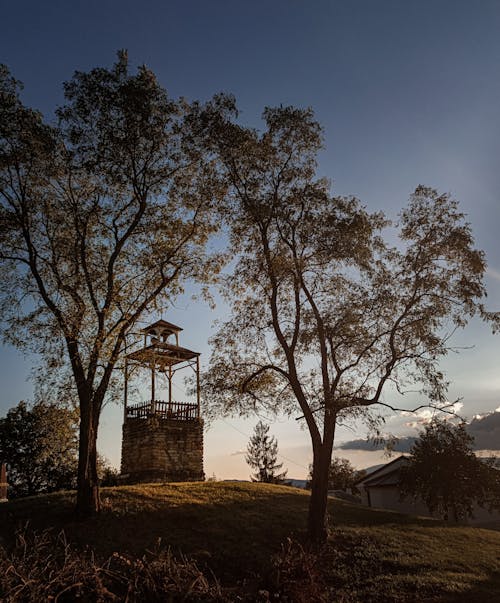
{"type": "Point", "coordinates": [235, 542]}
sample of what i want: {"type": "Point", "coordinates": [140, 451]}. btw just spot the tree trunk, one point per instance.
{"type": "Point", "coordinates": [87, 500]}
{"type": "Point", "coordinates": [317, 525]}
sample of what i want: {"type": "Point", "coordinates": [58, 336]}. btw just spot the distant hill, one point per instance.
{"type": "Point", "coordinates": [296, 483]}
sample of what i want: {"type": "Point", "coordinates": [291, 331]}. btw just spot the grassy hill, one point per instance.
{"type": "Point", "coordinates": [235, 529]}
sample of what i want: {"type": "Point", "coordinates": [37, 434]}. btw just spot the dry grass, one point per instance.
{"type": "Point", "coordinates": [358, 565]}
{"type": "Point", "coordinates": [45, 567]}
{"type": "Point", "coordinates": [233, 530]}
{"type": "Point", "coordinates": [232, 527]}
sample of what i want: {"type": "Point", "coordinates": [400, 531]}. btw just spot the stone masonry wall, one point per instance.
{"type": "Point", "coordinates": [158, 449]}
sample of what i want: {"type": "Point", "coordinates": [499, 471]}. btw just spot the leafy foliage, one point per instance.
{"type": "Point", "coordinates": [341, 475]}
{"type": "Point", "coordinates": [40, 446]}
{"type": "Point", "coordinates": [326, 314]}
{"type": "Point", "coordinates": [103, 218]}
{"type": "Point", "coordinates": [445, 473]}
{"type": "Point", "coordinates": [262, 455]}
{"type": "Point", "coordinates": [108, 475]}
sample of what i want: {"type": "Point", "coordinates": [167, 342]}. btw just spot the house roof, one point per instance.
{"type": "Point", "coordinates": [387, 479]}
{"type": "Point", "coordinates": [387, 475]}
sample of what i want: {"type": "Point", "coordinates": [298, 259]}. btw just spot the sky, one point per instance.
{"type": "Point", "coordinates": [407, 92]}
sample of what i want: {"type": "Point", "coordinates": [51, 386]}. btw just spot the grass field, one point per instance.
{"type": "Point", "coordinates": [234, 529]}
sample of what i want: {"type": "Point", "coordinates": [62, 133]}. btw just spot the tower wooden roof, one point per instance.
{"type": "Point", "coordinates": [163, 354]}
{"type": "Point", "coordinates": [162, 324]}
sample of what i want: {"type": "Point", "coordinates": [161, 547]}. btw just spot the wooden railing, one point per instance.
{"type": "Point", "coordinates": [180, 411]}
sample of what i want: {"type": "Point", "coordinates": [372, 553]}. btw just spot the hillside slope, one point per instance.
{"type": "Point", "coordinates": [235, 528]}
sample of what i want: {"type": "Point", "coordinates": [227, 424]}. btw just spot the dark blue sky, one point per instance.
{"type": "Point", "coordinates": [408, 92]}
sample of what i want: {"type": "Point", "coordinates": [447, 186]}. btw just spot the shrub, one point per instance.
{"type": "Point", "coordinates": [44, 567]}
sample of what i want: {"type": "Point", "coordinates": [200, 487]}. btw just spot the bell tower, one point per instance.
{"type": "Point", "coordinates": [162, 437]}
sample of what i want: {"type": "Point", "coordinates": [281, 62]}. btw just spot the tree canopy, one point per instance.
{"type": "Point", "coordinates": [341, 475]}
{"type": "Point", "coordinates": [326, 313]}
{"type": "Point", "coordinates": [444, 472]}
{"type": "Point", "coordinates": [103, 217]}
{"type": "Point", "coordinates": [39, 444]}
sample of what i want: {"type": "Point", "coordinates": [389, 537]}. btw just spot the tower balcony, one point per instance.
{"type": "Point", "coordinates": [174, 411]}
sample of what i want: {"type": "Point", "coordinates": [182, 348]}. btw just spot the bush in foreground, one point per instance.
{"type": "Point", "coordinates": [44, 567]}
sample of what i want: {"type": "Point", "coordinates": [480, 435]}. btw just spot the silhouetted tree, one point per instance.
{"type": "Point", "coordinates": [341, 475]}
{"type": "Point", "coordinates": [444, 472]}
{"type": "Point", "coordinates": [109, 476]}
{"type": "Point", "coordinates": [39, 443]}
{"type": "Point", "coordinates": [262, 455]}
{"type": "Point", "coordinates": [102, 218]}
{"type": "Point", "coordinates": [325, 312]}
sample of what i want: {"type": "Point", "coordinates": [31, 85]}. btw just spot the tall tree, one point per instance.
{"type": "Point", "coordinates": [40, 446]}
{"type": "Point", "coordinates": [262, 456]}
{"type": "Point", "coordinates": [444, 472]}
{"type": "Point", "coordinates": [325, 313]}
{"type": "Point", "coordinates": [101, 217]}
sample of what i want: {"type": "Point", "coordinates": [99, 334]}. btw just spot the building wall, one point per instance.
{"type": "Point", "coordinates": [157, 449]}
{"type": "Point", "coordinates": [387, 497]}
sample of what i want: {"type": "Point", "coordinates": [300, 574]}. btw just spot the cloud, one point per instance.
{"type": "Point", "coordinates": [425, 415]}
{"type": "Point", "coordinates": [485, 429]}
{"type": "Point", "coordinates": [403, 444]}
{"type": "Point", "coordinates": [493, 273]}
{"type": "Point", "coordinates": [490, 454]}
{"type": "Point", "coordinates": [238, 452]}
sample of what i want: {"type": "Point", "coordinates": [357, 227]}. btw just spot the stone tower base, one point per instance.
{"type": "Point", "coordinates": [162, 450]}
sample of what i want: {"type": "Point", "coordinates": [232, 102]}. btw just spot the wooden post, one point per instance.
{"type": "Point", "coordinates": [3, 482]}
{"type": "Point", "coordinates": [198, 386]}
{"type": "Point", "coordinates": [125, 390]}
{"type": "Point", "coordinates": [169, 385]}
{"type": "Point", "coordinates": [153, 386]}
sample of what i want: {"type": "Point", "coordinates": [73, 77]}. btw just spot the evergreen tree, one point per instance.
{"type": "Point", "coordinates": [262, 455]}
